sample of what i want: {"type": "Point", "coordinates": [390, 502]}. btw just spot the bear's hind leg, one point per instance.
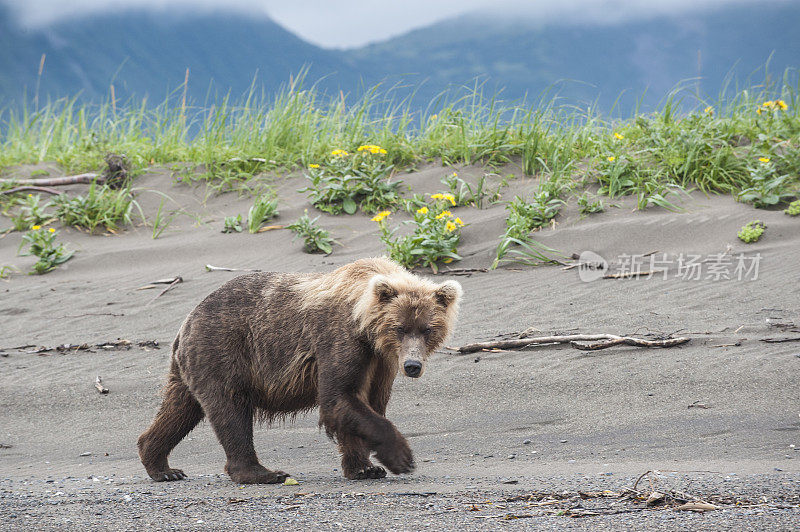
{"type": "Point", "coordinates": [233, 424]}
{"type": "Point", "coordinates": [179, 414]}
{"type": "Point", "coordinates": [355, 459]}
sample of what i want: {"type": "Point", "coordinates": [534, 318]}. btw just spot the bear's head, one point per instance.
{"type": "Point", "coordinates": [407, 317]}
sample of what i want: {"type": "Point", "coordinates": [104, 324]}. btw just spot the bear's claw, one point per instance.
{"type": "Point", "coordinates": [168, 475]}
{"type": "Point", "coordinates": [369, 472]}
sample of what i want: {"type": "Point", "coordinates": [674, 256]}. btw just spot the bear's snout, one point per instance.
{"type": "Point", "coordinates": [413, 368]}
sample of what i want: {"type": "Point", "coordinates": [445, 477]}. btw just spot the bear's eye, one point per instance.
{"type": "Point", "coordinates": [401, 330]}
{"type": "Point", "coordinates": [426, 331]}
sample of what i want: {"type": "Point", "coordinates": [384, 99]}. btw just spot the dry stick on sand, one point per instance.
{"type": "Point", "coordinates": [167, 289]}
{"type": "Point", "coordinates": [46, 190]}
{"type": "Point", "coordinates": [626, 275]}
{"type": "Point", "coordinates": [211, 268]}
{"type": "Point", "coordinates": [57, 181]}
{"type": "Point", "coordinates": [154, 284]}
{"type": "Point", "coordinates": [781, 340]}
{"type": "Point", "coordinates": [98, 383]}
{"type": "Point", "coordinates": [603, 341]}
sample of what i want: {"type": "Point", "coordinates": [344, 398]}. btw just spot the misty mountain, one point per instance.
{"type": "Point", "coordinates": [147, 53]}
{"type": "Point", "coordinates": [633, 59]}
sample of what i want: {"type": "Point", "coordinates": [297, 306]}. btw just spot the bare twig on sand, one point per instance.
{"type": "Point", "coordinates": [169, 287]}
{"type": "Point", "coordinates": [154, 284]}
{"type": "Point", "coordinates": [211, 268]}
{"type": "Point", "coordinates": [603, 341]}
{"type": "Point", "coordinates": [46, 190]}
{"type": "Point", "coordinates": [628, 275]}
{"type": "Point", "coordinates": [98, 383]}
{"type": "Point", "coordinates": [57, 181]}
{"type": "Point", "coordinates": [270, 228]}
{"type": "Point", "coordinates": [781, 340]}
{"type": "Point", "coordinates": [462, 271]}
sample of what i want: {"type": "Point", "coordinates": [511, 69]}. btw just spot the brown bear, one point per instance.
{"type": "Point", "coordinates": [271, 345]}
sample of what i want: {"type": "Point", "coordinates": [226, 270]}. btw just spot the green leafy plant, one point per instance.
{"type": "Point", "coordinates": [162, 220]}
{"type": "Point", "coordinates": [315, 238]}
{"type": "Point", "coordinates": [264, 208]}
{"type": "Point", "coordinates": [5, 271]}
{"type": "Point", "coordinates": [435, 237]}
{"type": "Point", "coordinates": [100, 207]}
{"type": "Point", "coordinates": [42, 244]}
{"type": "Point", "coordinates": [349, 181]}
{"type": "Point", "coordinates": [766, 187]}
{"type": "Point", "coordinates": [524, 217]}
{"type": "Point", "coordinates": [623, 176]}
{"type": "Point", "coordinates": [588, 206]}
{"type": "Point", "coordinates": [31, 212]}
{"type": "Point", "coordinates": [463, 192]}
{"type": "Point", "coordinates": [752, 231]}
{"type": "Point", "coordinates": [794, 208]}
{"type": "Point", "coordinates": [232, 224]}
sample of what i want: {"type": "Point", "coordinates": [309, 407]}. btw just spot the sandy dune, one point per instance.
{"type": "Point", "coordinates": [593, 419]}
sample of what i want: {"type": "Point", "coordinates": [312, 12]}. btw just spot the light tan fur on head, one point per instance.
{"type": "Point", "coordinates": [396, 309]}
{"type": "Point", "coordinates": [384, 297]}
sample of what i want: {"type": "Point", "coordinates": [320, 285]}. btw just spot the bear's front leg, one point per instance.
{"type": "Point", "coordinates": [349, 417]}
{"type": "Point", "coordinates": [356, 464]}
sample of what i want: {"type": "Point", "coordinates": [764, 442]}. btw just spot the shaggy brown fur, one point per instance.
{"type": "Point", "coordinates": [271, 345]}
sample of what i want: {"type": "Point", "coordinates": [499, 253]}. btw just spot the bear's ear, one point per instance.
{"type": "Point", "coordinates": [448, 293]}
{"type": "Point", "coordinates": [383, 290]}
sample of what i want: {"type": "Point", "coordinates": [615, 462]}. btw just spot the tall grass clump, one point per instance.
{"type": "Point", "coordinates": [714, 145]}
{"type": "Point", "coordinates": [101, 206]}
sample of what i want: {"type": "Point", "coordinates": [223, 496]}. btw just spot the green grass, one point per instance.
{"type": "Point", "coordinates": [743, 142]}
{"type": "Point", "coordinates": [315, 238]}
{"type": "Point", "coordinates": [101, 207]}
{"type": "Point", "coordinates": [264, 208]}
{"type": "Point", "coordinates": [235, 140]}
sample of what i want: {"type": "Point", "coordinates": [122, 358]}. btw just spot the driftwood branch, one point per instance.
{"type": "Point", "coordinates": [27, 188]}
{"type": "Point", "coordinates": [169, 287]}
{"type": "Point", "coordinates": [98, 383]}
{"type": "Point", "coordinates": [781, 340]}
{"type": "Point", "coordinates": [58, 181]}
{"type": "Point", "coordinates": [602, 341]}
{"type": "Point", "coordinates": [211, 268]}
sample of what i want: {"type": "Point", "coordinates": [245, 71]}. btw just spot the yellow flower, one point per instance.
{"type": "Point", "coordinates": [381, 215]}
{"type": "Point", "coordinates": [372, 148]}
{"type": "Point", "coordinates": [339, 153]}
{"type": "Point", "coordinates": [450, 226]}
{"type": "Point", "coordinates": [36, 227]}
{"type": "Point", "coordinates": [764, 160]}
{"type": "Point", "coordinates": [30, 195]}
{"type": "Point", "coordinates": [611, 158]}
{"type": "Point", "coordinates": [314, 166]}
{"type": "Point", "coordinates": [709, 111]}
{"type": "Point", "coordinates": [618, 136]}
{"type": "Point", "coordinates": [459, 222]}
{"type": "Point", "coordinates": [442, 214]}
{"type": "Point", "coordinates": [781, 105]}
{"type": "Point", "coordinates": [451, 199]}
{"type": "Point", "coordinates": [52, 230]}
{"type": "Point", "coordinates": [423, 210]}
{"type": "Point", "coordinates": [768, 104]}
{"type": "Point", "coordinates": [433, 117]}
{"type": "Point", "coordinates": [758, 110]}
{"type": "Point", "coordinates": [437, 196]}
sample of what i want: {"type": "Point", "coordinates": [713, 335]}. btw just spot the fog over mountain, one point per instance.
{"type": "Point", "coordinates": [635, 51]}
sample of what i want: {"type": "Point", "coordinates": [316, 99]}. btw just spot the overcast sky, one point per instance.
{"type": "Point", "coordinates": [349, 23]}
